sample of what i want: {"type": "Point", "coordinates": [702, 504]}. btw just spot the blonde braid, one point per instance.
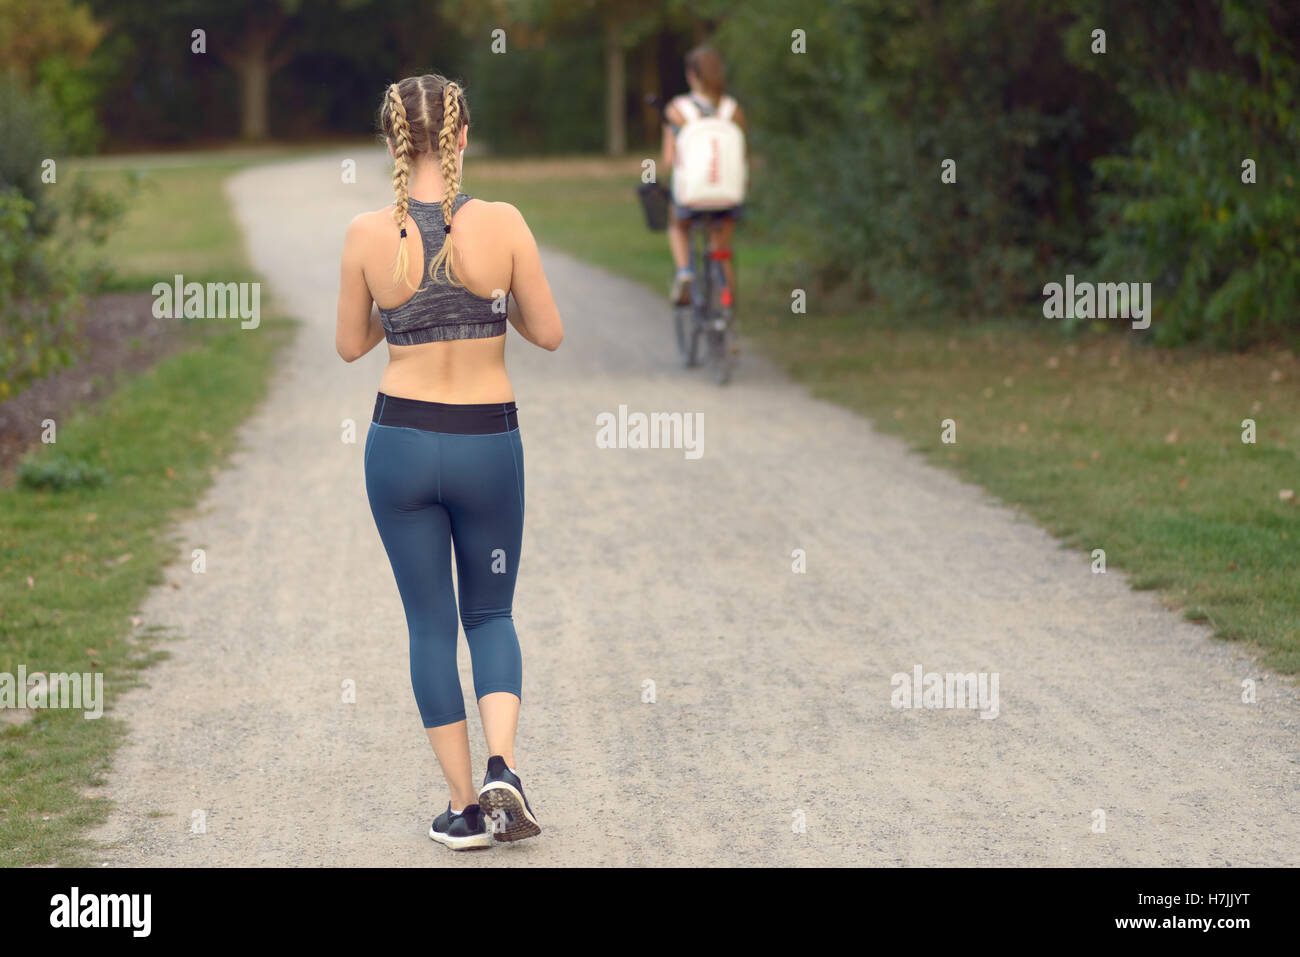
{"type": "Point", "coordinates": [401, 129]}
{"type": "Point", "coordinates": [448, 139]}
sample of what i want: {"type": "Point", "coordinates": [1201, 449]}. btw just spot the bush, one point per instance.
{"type": "Point", "coordinates": [855, 131]}
{"type": "Point", "coordinates": [1220, 253]}
{"type": "Point", "coordinates": [1126, 164]}
{"type": "Point", "coordinates": [41, 286]}
{"type": "Point", "coordinates": [39, 295]}
{"type": "Point", "coordinates": [28, 137]}
{"type": "Point", "coordinates": [59, 474]}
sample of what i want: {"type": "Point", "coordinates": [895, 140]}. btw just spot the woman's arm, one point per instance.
{"type": "Point", "coordinates": [536, 317]}
{"type": "Point", "coordinates": [673, 120]}
{"type": "Point", "coordinates": [359, 329]}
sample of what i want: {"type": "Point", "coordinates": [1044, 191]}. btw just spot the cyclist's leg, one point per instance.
{"type": "Point", "coordinates": [679, 241]}
{"type": "Point", "coordinates": [678, 237]}
{"type": "Point", "coordinates": [720, 234]}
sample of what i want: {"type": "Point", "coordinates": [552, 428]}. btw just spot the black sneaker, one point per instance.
{"type": "Point", "coordinates": [506, 812]}
{"type": "Point", "coordinates": [460, 831]}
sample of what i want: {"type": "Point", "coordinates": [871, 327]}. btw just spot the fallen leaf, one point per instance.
{"type": "Point", "coordinates": [1286, 495]}
{"type": "Point", "coordinates": [1172, 437]}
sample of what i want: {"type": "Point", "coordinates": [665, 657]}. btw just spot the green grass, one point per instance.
{"type": "Point", "coordinates": [75, 564]}
{"type": "Point", "coordinates": [176, 219]}
{"type": "Point", "coordinates": [1106, 444]}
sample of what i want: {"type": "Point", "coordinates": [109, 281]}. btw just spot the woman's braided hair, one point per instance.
{"type": "Point", "coordinates": [413, 108]}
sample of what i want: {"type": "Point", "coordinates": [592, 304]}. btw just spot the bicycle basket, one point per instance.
{"type": "Point", "coordinates": [654, 201]}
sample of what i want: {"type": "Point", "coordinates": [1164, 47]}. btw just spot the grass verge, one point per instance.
{"type": "Point", "coordinates": [76, 563]}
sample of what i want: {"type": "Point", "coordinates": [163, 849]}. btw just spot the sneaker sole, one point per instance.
{"type": "Point", "coordinates": [461, 843]}
{"type": "Point", "coordinates": [520, 823]}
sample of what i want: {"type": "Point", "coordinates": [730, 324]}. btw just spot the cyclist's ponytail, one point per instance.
{"type": "Point", "coordinates": [705, 63]}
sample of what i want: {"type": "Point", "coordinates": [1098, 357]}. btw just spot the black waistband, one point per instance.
{"type": "Point", "coordinates": [482, 419]}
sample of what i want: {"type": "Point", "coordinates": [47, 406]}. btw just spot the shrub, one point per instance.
{"type": "Point", "coordinates": [59, 474]}
{"type": "Point", "coordinates": [1220, 253]}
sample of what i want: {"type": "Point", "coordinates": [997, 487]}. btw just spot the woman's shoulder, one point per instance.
{"type": "Point", "coordinates": [490, 209]}
{"type": "Point", "coordinates": [501, 219]}
{"type": "Point", "coordinates": [369, 224]}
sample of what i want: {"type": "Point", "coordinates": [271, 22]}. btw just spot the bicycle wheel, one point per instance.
{"type": "Point", "coordinates": [721, 330]}
{"type": "Point", "coordinates": [688, 334]}
{"type": "Point", "coordinates": [722, 349]}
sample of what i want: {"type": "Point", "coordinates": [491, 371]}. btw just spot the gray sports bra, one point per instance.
{"type": "Point", "coordinates": [439, 311]}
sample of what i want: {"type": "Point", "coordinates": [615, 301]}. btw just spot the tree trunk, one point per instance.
{"type": "Point", "coordinates": [253, 90]}
{"type": "Point", "coordinates": [650, 84]}
{"type": "Point", "coordinates": [615, 90]}
{"type": "Point", "coordinates": [253, 67]}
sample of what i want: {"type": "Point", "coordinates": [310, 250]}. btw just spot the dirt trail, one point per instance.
{"type": "Point", "coordinates": [773, 693]}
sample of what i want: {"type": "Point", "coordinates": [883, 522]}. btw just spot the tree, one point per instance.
{"type": "Point", "coordinates": [31, 32]}
{"type": "Point", "coordinates": [623, 25]}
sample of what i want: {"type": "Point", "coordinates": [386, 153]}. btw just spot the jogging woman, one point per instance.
{"type": "Point", "coordinates": [706, 77]}
{"type": "Point", "coordinates": [443, 460]}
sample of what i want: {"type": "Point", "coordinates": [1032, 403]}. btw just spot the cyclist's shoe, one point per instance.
{"type": "Point", "coordinates": [681, 291]}
{"type": "Point", "coordinates": [507, 814]}
{"type": "Point", "coordinates": [461, 831]}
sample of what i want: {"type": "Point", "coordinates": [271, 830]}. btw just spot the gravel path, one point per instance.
{"type": "Point", "coordinates": [772, 688]}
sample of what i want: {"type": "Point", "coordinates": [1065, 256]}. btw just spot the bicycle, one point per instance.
{"type": "Point", "coordinates": [709, 314]}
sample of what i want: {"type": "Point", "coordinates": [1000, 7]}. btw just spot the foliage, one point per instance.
{"type": "Point", "coordinates": [1220, 252]}
{"type": "Point", "coordinates": [1125, 164]}
{"type": "Point", "coordinates": [41, 287]}
{"type": "Point", "coordinates": [59, 474]}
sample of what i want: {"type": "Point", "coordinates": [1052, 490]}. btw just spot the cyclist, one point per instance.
{"type": "Point", "coordinates": [706, 76]}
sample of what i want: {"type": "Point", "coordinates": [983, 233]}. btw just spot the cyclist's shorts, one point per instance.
{"type": "Point", "coordinates": [685, 212]}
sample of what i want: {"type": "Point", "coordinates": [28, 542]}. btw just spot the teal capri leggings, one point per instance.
{"type": "Point", "coordinates": [440, 476]}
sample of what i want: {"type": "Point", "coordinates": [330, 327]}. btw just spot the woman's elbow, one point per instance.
{"type": "Point", "coordinates": [347, 351]}
{"type": "Point", "coordinates": [552, 342]}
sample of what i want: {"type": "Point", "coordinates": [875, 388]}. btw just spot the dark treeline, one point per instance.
{"type": "Point", "coordinates": [949, 157]}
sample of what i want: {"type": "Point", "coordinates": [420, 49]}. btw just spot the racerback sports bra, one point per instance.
{"type": "Point", "coordinates": [439, 311]}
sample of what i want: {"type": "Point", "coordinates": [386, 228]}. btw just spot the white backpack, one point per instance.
{"type": "Point", "coordinates": [709, 166]}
